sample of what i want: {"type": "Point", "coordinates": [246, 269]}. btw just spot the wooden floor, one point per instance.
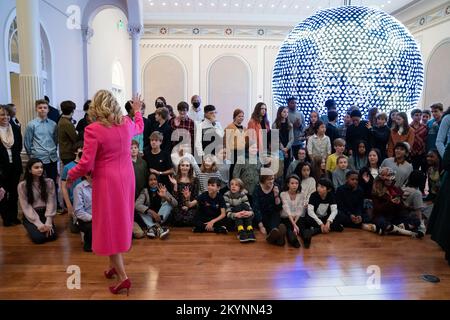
{"type": "Point", "coordinates": [210, 266]}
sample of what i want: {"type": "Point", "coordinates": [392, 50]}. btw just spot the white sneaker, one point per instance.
{"type": "Point", "coordinates": [163, 232]}
{"type": "Point", "coordinates": [151, 233]}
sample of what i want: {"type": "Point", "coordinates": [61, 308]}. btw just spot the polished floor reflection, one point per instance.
{"type": "Point", "coordinates": [351, 265]}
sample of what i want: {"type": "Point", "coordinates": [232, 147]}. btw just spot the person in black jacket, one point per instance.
{"type": "Point", "coordinates": [350, 202]}
{"type": "Point", "coordinates": [267, 207]}
{"type": "Point", "coordinates": [357, 131]}
{"type": "Point", "coordinates": [10, 167]}
{"type": "Point", "coordinates": [53, 113]}
{"type": "Point", "coordinates": [332, 128]}
{"type": "Point", "coordinates": [380, 135]}
{"type": "Point", "coordinates": [83, 123]}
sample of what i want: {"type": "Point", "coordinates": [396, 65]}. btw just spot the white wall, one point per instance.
{"type": "Point", "coordinates": [66, 53]}
{"type": "Point", "coordinates": [198, 58]}
{"type": "Point", "coordinates": [108, 44]}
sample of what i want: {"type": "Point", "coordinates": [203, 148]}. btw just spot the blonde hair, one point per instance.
{"type": "Point", "coordinates": [105, 109]}
{"type": "Point", "coordinates": [239, 182]}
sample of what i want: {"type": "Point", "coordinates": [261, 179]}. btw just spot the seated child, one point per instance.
{"type": "Point", "coordinates": [238, 209]}
{"type": "Point", "coordinates": [208, 170]}
{"type": "Point", "coordinates": [38, 202]}
{"type": "Point", "coordinates": [390, 215]}
{"type": "Point", "coordinates": [339, 146]}
{"type": "Point", "coordinates": [154, 205]}
{"type": "Point", "coordinates": [83, 210]}
{"type": "Point", "coordinates": [412, 198]}
{"type": "Point", "coordinates": [350, 202]}
{"type": "Point", "coordinates": [301, 157]}
{"type": "Point", "coordinates": [340, 172]}
{"type": "Point", "coordinates": [293, 208]}
{"type": "Point", "coordinates": [322, 214]}
{"type": "Point", "coordinates": [68, 192]}
{"type": "Point", "coordinates": [211, 215]}
{"type": "Point", "coordinates": [267, 206]}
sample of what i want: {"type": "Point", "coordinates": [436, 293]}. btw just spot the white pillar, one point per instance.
{"type": "Point", "coordinates": [195, 71]}
{"type": "Point", "coordinates": [28, 28]}
{"type": "Point", "coordinates": [86, 33]}
{"type": "Point", "coordinates": [135, 31]}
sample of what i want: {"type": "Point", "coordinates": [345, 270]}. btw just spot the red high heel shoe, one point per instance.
{"type": "Point", "coordinates": [125, 284]}
{"type": "Point", "coordinates": [110, 273]}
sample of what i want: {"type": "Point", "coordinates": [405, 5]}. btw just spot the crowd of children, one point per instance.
{"type": "Point", "coordinates": [329, 177]}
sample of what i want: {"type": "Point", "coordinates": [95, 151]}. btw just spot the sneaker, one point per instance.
{"type": "Point", "coordinates": [163, 232]}
{"type": "Point", "coordinates": [221, 229]}
{"type": "Point", "coordinates": [273, 236]}
{"type": "Point", "coordinates": [151, 233]}
{"type": "Point", "coordinates": [242, 236]}
{"type": "Point", "coordinates": [251, 236]}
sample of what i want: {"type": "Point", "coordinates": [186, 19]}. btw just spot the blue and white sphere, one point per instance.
{"type": "Point", "coordinates": [358, 56]}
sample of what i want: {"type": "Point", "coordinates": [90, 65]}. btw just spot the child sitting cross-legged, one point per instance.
{"type": "Point", "coordinates": [322, 214]}
{"type": "Point", "coordinates": [211, 215]}
{"type": "Point", "coordinates": [350, 202]}
{"type": "Point", "coordinates": [154, 205]}
{"type": "Point", "coordinates": [239, 210]}
{"type": "Point", "coordinates": [293, 208]}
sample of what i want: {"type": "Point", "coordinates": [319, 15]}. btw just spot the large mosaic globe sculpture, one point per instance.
{"type": "Point", "coordinates": [358, 56]}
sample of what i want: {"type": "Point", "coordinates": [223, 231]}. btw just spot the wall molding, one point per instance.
{"type": "Point", "coordinates": [193, 31]}
{"type": "Point", "coordinates": [429, 19]}
{"type": "Point", "coordinates": [165, 45]}
{"type": "Point", "coordinates": [228, 46]}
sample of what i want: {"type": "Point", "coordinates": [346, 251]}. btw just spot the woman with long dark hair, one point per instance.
{"type": "Point", "coordinates": [391, 119]}
{"type": "Point", "coordinates": [38, 202]}
{"type": "Point", "coordinates": [401, 132]}
{"type": "Point", "coordinates": [257, 123]}
{"type": "Point", "coordinates": [286, 136]}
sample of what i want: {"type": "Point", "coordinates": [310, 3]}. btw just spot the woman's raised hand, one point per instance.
{"type": "Point", "coordinates": [137, 103]}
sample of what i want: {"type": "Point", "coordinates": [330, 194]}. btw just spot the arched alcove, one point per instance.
{"type": "Point", "coordinates": [229, 87]}
{"type": "Point", "coordinates": [438, 75]}
{"type": "Point", "coordinates": [164, 75]}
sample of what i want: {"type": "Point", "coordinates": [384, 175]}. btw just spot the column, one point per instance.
{"type": "Point", "coordinates": [28, 28]}
{"type": "Point", "coordinates": [195, 71]}
{"type": "Point", "coordinates": [87, 33]}
{"type": "Point", "coordinates": [135, 31]}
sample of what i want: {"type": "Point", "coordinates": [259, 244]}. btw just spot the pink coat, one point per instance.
{"type": "Point", "coordinates": [107, 155]}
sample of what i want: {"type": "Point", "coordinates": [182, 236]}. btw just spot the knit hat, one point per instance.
{"type": "Point", "coordinates": [404, 145]}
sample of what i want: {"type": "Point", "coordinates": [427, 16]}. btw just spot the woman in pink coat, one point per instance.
{"type": "Point", "coordinates": [107, 158]}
